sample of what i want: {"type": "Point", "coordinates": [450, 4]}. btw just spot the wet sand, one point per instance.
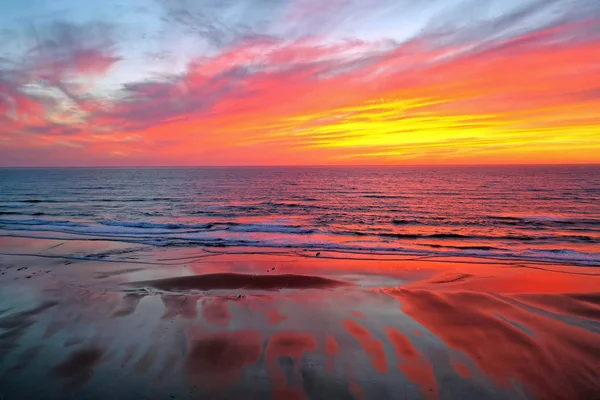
{"type": "Point", "coordinates": [97, 320]}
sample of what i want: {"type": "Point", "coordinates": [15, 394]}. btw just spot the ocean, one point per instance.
{"type": "Point", "coordinates": [533, 213]}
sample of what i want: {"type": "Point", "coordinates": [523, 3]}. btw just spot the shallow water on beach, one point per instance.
{"type": "Point", "coordinates": [510, 212]}
{"type": "Point", "coordinates": [97, 320]}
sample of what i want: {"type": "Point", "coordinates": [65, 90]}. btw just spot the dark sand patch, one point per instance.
{"type": "Point", "coordinates": [15, 320]}
{"type": "Point", "coordinates": [146, 362]}
{"type": "Point", "coordinates": [128, 305]}
{"type": "Point", "coordinates": [242, 281]}
{"type": "Point", "coordinates": [14, 326]}
{"type": "Point", "coordinates": [54, 327]}
{"type": "Point", "coordinates": [72, 341]}
{"type": "Point", "coordinates": [78, 367]}
{"type": "Point", "coordinates": [26, 358]}
{"type": "Point", "coordinates": [217, 359]}
{"type": "Point", "coordinates": [168, 366]}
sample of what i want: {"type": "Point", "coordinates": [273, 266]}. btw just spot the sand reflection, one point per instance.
{"type": "Point", "coordinates": [550, 357]}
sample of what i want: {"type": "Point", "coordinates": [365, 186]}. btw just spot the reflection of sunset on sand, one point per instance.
{"type": "Point", "coordinates": [398, 327]}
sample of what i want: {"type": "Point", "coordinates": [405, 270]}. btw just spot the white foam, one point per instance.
{"type": "Point", "coordinates": [269, 228]}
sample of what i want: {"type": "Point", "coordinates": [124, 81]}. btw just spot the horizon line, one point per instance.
{"type": "Point", "coordinates": [299, 165]}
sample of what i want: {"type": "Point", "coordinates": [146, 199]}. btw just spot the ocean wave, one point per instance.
{"type": "Point", "coordinates": [152, 228]}
{"type": "Point", "coordinates": [267, 228]}
{"type": "Point", "coordinates": [147, 228]}
{"type": "Point", "coordinates": [102, 228]}
{"type": "Point", "coordinates": [405, 222]}
{"type": "Point", "coordinates": [522, 238]}
{"type": "Point", "coordinates": [26, 202]}
{"type": "Point", "coordinates": [148, 225]}
{"type": "Point", "coordinates": [473, 247]}
{"type": "Point", "coordinates": [560, 255]}
{"type": "Point", "coordinates": [34, 222]}
{"type": "Point", "coordinates": [289, 204]}
{"type": "Point", "coordinates": [14, 205]}
{"type": "Point", "coordinates": [544, 220]}
{"type": "Point", "coordinates": [384, 196]}
{"type": "Point", "coordinates": [35, 214]}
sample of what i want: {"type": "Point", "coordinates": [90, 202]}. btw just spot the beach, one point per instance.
{"type": "Point", "coordinates": [92, 319]}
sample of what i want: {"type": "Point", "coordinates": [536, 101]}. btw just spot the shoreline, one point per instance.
{"type": "Point", "coordinates": [83, 250]}
{"type": "Point", "coordinates": [301, 251]}
{"type": "Point", "coordinates": [432, 272]}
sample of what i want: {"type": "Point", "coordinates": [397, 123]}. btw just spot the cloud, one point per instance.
{"type": "Point", "coordinates": [287, 82]}
{"type": "Point", "coordinates": [221, 23]}
{"type": "Point", "coordinates": [66, 51]}
{"type": "Point", "coordinates": [45, 90]}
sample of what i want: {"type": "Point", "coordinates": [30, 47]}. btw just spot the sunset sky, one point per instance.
{"type": "Point", "coordinates": [296, 82]}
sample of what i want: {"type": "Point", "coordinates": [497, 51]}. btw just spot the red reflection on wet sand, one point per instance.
{"type": "Point", "coordinates": [414, 365]}
{"type": "Point", "coordinates": [331, 349]}
{"type": "Point", "coordinates": [179, 305]}
{"type": "Point", "coordinates": [289, 344]}
{"type": "Point", "coordinates": [461, 369]}
{"type": "Point", "coordinates": [216, 311]}
{"type": "Point", "coordinates": [580, 305]}
{"type": "Point", "coordinates": [509, 343]}
{"type": "Point", "coordinates": [293, 345]}
{"type": "Point", "coordinates": [331, 346]}
{"type": "Point", "coordinates": [507, 278]}
{"type": "Point", "coordinates": [373, 347]}
{"type": "Point", "coordinates": [274, 317]}
{"type": "Point", "coordinates": [217, 359]}
{"type": "Point", "coordinates": [355, 389]}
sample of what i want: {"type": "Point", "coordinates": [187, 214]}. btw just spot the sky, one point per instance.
{"type": "Point", "coordinates": [299, 82]}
